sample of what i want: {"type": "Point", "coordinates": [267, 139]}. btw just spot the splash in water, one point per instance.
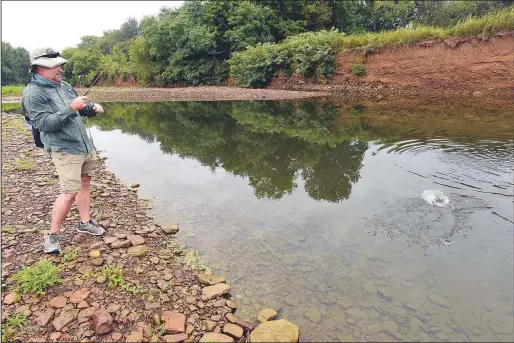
{"type": "Point", "coordinates": [435, 197]}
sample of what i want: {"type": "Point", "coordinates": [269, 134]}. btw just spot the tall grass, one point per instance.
{"type": "Point", "coordinates": [313, 53]}
{"type": "Point", "coordinates": [12, 90]}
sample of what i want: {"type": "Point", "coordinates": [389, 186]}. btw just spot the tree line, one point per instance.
{"type": "Point", "coordinates": [193, 44]}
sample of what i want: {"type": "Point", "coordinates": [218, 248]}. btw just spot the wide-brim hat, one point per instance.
{"type": "Point", "coordinates": [46, 57]}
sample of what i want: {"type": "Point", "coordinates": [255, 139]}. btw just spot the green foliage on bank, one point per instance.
{"type": "Point", "coordinates": [12, 90]}
{"type": "Point", "coordinates": [313, 54]}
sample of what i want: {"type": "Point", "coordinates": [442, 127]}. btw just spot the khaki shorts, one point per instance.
{"type": "Point", "coordinates": [71, 167]}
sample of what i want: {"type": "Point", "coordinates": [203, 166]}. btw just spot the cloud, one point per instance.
{"type": "Point", "coordinates": [32, 24]}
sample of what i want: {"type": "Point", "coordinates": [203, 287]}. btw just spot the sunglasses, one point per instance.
{"type": "Point", "coordinates": [54, 55]}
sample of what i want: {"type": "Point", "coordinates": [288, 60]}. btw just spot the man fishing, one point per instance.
{"type": "Point", "coordinates": [55, 109]}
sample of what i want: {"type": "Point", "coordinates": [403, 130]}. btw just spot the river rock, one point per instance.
{"type": "Point", "coordinates": [64, 319]}
{"type": "Point", "coordinates": [439, 300]}
{"type": "Point", "coordinates": [97, 261]}
{"type": "Point", "coordinates": [103, 321]}
{"type": "Point", "coordinates": [95, 254]}
{"type": "Point", "coordinates": [173, 229]}
{"type": "Point", "coordinates": [390, 327]}
{"type": "Point", "coordinates": [44, 318]}
{"type": "Point", "coordinates": [233, 330]}
{"type": "Point", "coordinates": [58, 302]}
{"type": "Point", "coordinates": [179, 337]}
{"type": "Point", "coordinates": [210, 292]}
{"type": "Point", "coordinates": [266, 315]}
{"type": "Point", "coordinates": [138, 251]}
{"type": "Point", "coordinates": [79, 295]}
{"type": "Point", "coordinates": [136, 240]}
{"type": "Point", "coordinates": [135, 336]}
{"type": "Point", "coordinates": [245, 325]}
{"type": "Point", "coordinates": [11, 298]}
{"type": "Point", "coordinates": [210, 280]}
{"type": "Point", "coordinates": [231, 304]}
{"type": "Point", "coordinates": [275, 331]}
{"type": "Point", "coordinates": [120, 244]}
{"type": "Point", "coordinates": [386, 292]}
{"type": "Point", "coordinates": [174, 322]}
{"type": "Point", "coordinates": [313, 315]}
{"type": "Point", "coordinates": [216, 337]}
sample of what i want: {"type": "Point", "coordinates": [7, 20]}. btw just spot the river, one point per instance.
{"type": "Point", "coordinates": [327, 212]}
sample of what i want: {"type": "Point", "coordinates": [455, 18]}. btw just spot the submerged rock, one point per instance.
{"type": "Point", "coordinates": [276, 331]}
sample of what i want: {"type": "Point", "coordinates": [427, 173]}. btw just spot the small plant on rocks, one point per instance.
{"type": "Point", "coordinates": [36, 279]}
{"type": "Point", "coordinates": [114, 278]}
{"type": "Point", "coordinates": [26, 164]}
{"type": "Point", "coordinates": [12, 324]}
{"type": "Point", "coordinates": [70, 254]}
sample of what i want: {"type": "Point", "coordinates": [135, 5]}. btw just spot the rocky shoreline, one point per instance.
{"type": "Point", "coordinates": [136, 283]}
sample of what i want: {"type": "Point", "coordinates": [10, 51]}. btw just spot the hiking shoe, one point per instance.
{"type": "Point", "coordinates": [91, 227]}
{"type": "Point", "coordinates": [51, 244]}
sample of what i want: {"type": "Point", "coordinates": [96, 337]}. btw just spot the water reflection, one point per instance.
{"type": "Point", "coordinates": [268, 143]}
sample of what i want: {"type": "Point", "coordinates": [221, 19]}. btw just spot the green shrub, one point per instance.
{"type": "Point", "coordinates": [357, 68]}
{"type": "Point", "coordinates": [70, 254]}
{"type": "Point", "coordinates": [12, 324]}
{"type": "Point", "coordinates": [36, 279]}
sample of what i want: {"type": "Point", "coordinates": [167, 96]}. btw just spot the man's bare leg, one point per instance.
{"type": "Point", "coordinates": [83, 199]}
{"type": "Point", "coordinates": [61, 208]}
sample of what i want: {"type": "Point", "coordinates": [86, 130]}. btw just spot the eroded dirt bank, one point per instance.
{"type": "Point", "coordinates": [479, 66]}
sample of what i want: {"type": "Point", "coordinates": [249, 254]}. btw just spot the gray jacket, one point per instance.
{"type": "Point", "coordinates": [48, 108]}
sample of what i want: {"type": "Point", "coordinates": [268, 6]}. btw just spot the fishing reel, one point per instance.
{"type": "Point", "coordinates": [88, 110]}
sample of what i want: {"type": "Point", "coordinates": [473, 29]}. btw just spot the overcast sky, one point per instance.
{"type": "Point", "coordinates": [60, 24]}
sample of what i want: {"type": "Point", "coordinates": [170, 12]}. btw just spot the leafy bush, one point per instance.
{"type": "Point", "coordinates": [70, 253]}
{"type": "Point", "coordinates": [357, 68]}
{"type": "Point", "coordinates": [13, 323]}
{"type": "Point", "coordinates": [36, 279]}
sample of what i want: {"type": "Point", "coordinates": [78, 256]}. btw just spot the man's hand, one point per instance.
{"type": "Point", "coordinates": [98, 108]}
{"type": "Point", "coordinates": [78, 103]}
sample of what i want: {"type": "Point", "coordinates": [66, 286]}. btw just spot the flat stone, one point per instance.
{"type": "Point", "coordinates": [174, 322]}
{"type": "Point", "coordinates": [86, 313]}
{"type": "Point", "coordinates": [152, 305]}
{"type": "Point", "coordinates": [116, 336]}
{"type": "Point", "coordinates": [44, 318]}
{"type": "Point", "coordinates": [390, 327]}
{"type": "Point", "coordinates": [136, 240]}
{"type": "Point", "coordinates": [275, 331]}
{"type": "Point", "coordinates": [439, 300]}
{"type": "Point", "coordinates": [95, 254]}
{"type": "Point", "coordinates": [180, 337]}
{"type": "Point", "coordinates": [138, 251]}
{"type": "Point", "coordinates": [83, 304]}
{"type": "Point", "coordinates": [97, 261]}
{"type": "Point", "coordinates": [210, 280]}
{"type": "Point", "coordinates": [313, 315]}
{"type": "Point", "coordinates": [110, 240]}
{"type": "Point", "coordinates": [210, 325]}
{"type": "Point", "coordinates": [58, 302]}
{"type": "Point", "coordinates": [121, 244]}
{"type": "Point", "coordinates": [231, 304]}
{"type": "Point", "coordinates": [11, 298]}
{"type": "Point", "coordinates": [135, 336]}
{"type": "Point", "coordinates": [210, 292]}
{"type": "Point", "coordinates": [231, 318]}
{"type": "Point", "coordinates": [190, 300]}
{"type": "Point", "coordinates": [64, 319]}
{"type": "Point", "coordinates": [233, 330]}
{"type": "Point", "coordinates": [266, 315]}
{"type": "Point", "coordinates": [386, 292]}
{"type": "Point", "coordinates": [79, 295]}
{"type": "Point", "coordinates": [216, 337]}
